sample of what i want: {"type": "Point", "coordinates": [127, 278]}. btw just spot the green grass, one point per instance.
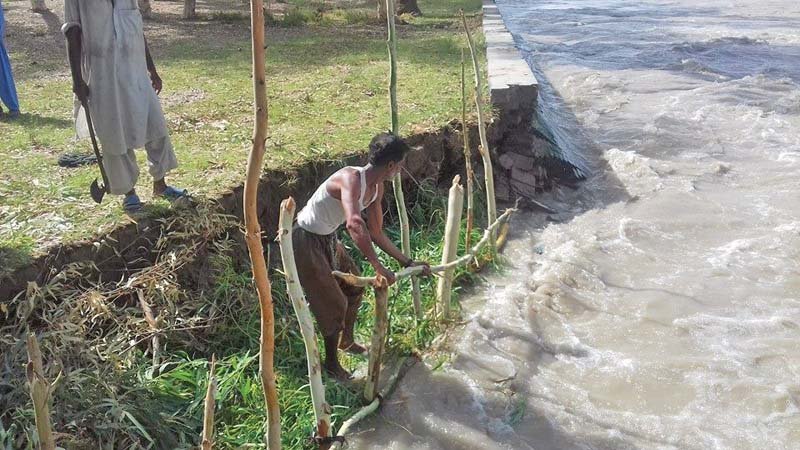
{"type": "Point", "coordinates": [122, 401]}
{"type": "Point", "coordinates": [327, 92]}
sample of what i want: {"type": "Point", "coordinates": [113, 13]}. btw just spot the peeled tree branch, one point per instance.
{"type": "Point", "coordinates": [207, 441]}
{"type": "Point", "coordinates": [40, 394]}
{"type": "Point", "coordinates": [255, 164]}
{"type": "Point", "coordinates": [355, 280]}
{"type": "Point", "coordinates": [322, 411]}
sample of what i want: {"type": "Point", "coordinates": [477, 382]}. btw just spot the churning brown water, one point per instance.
{"type": "Point", "coordinates": [661, 307]}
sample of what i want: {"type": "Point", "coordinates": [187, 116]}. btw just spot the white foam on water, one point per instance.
{"type": "Point", "coordinates": [661, 309]}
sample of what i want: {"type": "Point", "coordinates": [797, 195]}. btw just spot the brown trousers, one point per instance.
{"type": "Point", "coordinates": [334, 303]}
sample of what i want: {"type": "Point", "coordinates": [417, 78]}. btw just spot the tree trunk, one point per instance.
{"type": "Point", "coordinates": [38, 6]}
{"type": "Point", "coordinates": [382, 9]}
{"type": "Point", "coordinates": [189, 9]}
{"type": "Point", "coordinates": [408, 7]}
{"type": "Point", "coordinates": [145, 9]}
{"type": "Point", "coordinates": [255, 164]}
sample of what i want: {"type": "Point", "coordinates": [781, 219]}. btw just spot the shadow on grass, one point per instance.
{"type": "Point", "coordinates": [26, 119]}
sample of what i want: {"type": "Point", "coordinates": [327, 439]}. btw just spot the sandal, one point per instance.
{"type": "Point", "coordinates": [132, 204]}
{"type": "Point", "coordinates": [172, 194]}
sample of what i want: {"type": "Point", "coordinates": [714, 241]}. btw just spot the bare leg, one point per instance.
{"type": "Point", "coordinates": [331, 364]}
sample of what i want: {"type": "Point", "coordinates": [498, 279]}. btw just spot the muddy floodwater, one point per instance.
{"type": "Point", "coordinates": [660, 308]}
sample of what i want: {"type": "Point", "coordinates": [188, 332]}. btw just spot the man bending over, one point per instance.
{"type": "Point", "coordinates": [341, 199]}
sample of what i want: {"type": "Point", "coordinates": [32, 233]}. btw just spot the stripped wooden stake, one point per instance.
{"type": "Point", "coordinates": [152, 322]}
{"type": "Point", "coordinates": [322, 411]}
{"type": "Point", "coordinates": [207, 442]}
{"type": "Point", "coordinates": [378, 340]}
{"type": "Point", "coordinates": [455, 206]}
{"type": "Point", "coordinates": [40, 394]}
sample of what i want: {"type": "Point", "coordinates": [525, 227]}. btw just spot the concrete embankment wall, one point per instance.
{"type": "Point", "coordinates": [529, 161]}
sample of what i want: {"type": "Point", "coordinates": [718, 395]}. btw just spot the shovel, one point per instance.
{"type": "Point", "coordinates": [98, 191]}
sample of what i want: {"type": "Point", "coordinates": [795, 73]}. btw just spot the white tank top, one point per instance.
{"type": "Point", "coordinates": [323, 214]}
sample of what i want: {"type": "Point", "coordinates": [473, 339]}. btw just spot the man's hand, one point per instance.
{"type": "Point", "coordinates": [81, 90]}
{"type": "Point", "coordinates": [156, 80]}
{"type": "Point", "coordinates": [387, 274]}
{"type": "Point", "coordinates": [426, 268]}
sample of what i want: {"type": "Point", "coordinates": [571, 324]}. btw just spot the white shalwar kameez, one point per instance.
{"type": "Point", "coordinates": [124, 106]}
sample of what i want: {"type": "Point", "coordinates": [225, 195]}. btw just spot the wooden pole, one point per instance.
{"type": "Point", "coordinates": [322, 411]}
{"type": "Point", "coordinates": [189, 9]}
{"type": "Point", "coordinates": [207, 442]}
{"type": "Point", "coordinates": [378, 340]}
{"type": "Point", "coordinates": [152, 322]}
{"type": "Point", "coordinates": [455, 205]}
{"type": "Point", "coordinates": [397, 183]}
{"type": "Point", "coordinates": [255, 165]}
{"type": "Point", "coordinates": [467, 151]}
{"type": "Point", "coordinates": [491, 206]}
{"type": "Point", "coordinates": [355, 280]}
{"type": "Point", "coordinates": [40, 394]}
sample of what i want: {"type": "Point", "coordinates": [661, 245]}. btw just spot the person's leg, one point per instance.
{"type": "Point", "coordinates": [8, 92]}
{"type": "Point", "coordinates": [325, 299]}
{"type": "Point", "coordinates": [354, 296]}
{"type": "Point", "coordinates": [123, 173]}
{"type": "Point", "coordinates": [161, 159]}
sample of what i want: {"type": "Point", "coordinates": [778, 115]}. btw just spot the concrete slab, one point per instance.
{"type": "Point", "coordinates": [512, 85]}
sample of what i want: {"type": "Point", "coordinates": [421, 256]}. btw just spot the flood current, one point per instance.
{"type": "Point", "coordinates": [660, 308]}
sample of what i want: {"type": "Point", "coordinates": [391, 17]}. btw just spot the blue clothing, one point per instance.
{"type": "Point", "coordinates": [8, 93]}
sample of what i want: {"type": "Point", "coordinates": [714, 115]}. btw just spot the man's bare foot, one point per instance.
{"type": "Point", "coordinates": [337, 372]}
{"type": "Point", "coordinates": [352, 347]}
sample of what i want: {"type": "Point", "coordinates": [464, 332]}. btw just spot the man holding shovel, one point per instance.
{"type": "Point", "coordinates": [116, 86]}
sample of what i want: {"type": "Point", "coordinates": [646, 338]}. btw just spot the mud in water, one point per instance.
{"type": "Point", "coordinates": [661, 307]}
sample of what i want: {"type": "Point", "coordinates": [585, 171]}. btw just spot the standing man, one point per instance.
{"type": "Point", "coordinates": [113, 73]}
{"type": "Point", "coordinates": [8, 92]}
{"type": "Point", "coordinates": [341, 199]}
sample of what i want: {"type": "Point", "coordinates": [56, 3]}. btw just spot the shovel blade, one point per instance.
{"type": "Point", "coordinates": [97, 192]}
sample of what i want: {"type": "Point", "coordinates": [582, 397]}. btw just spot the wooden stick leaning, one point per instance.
{"type": "Point", "coordinates": [491, 206]}
{"type": "Point", "coordinates": [467, 151]}
{"type": "Point", "coordinates": [455, 206]}
{"type": "Point", "coordinates": [378, 339]}
{"type": "Point", "coordinates": [207, 441]}
{"type": "Point", "coordinates": [372, 406]}
{"type": "Point", "coordinates": [355, 280]}
{"type": "Point", "coordinates": [322, 411]}
{"type": "Point", "coordinates": [255, 164]}
{"type": "Point", "coordinates": [152, 322]}
{"type": "Point", "coordinates": [40, 394]}
{"type": "Point", "coordinates": [397, 182]}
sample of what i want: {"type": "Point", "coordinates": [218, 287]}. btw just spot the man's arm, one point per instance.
{"type": "Point", "coordinates": [74, 51]}
{"type": "Point", "coordinates": [349, 188]}
{"type": "Point", "coordinates": [151, 67]}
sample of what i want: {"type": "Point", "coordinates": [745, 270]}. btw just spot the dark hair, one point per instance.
{"type": "Point", "coordinates": [386, 148]}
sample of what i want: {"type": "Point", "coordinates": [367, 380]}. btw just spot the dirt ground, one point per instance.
{"type": "Point", "coordinates": [38, 38]}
